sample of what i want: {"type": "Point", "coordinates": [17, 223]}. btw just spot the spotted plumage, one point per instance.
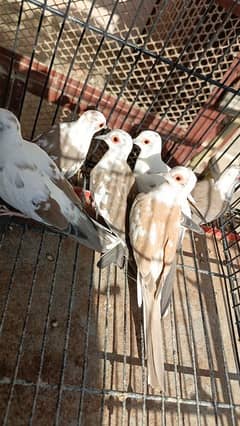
{"type": "Point", "coordinates": [31, 183]}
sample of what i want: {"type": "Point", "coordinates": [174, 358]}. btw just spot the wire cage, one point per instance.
{"type": "Point", "coordinates": [71, 337]}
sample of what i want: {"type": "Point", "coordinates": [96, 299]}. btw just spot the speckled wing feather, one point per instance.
{"type": "Point", "coordinates": [31, 183]}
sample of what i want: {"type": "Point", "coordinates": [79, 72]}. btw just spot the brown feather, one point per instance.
{"type": "Point", "coordinates": [50, 212]}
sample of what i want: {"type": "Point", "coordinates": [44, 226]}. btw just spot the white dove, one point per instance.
{"type": "Point", "coordinates": [31, 183]}
{"type": "Point", "coordinates": [68, 143]}
{"type": "Point", "coordinates": [149, 164]}
{"type": "Point", "coordinates": [112, 179]}
{"type": "Point", "coordinates": [155, 228]}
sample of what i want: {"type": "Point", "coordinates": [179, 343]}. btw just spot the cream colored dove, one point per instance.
{"type": "Point", "coordinates": [31, 183]}
{"type": "Point", "coordinates": [149, 172]}
{"type": "Point", "coordinates": [67, 143]}
{"type": "Point", "coordinates": [155, 229]}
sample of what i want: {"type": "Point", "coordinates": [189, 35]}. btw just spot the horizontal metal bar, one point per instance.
{"type": "Point", "coordinates": [122, 394]}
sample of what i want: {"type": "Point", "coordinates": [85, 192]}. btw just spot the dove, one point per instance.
{"type": "Point", "coordinates": [149, 172]}
{"type": "Point", "coordinates": [150, 169]}
{"type": "Point", "coordinates": [212, 196]}
{"type": "Point", "coordinates": [111, 180]}
{"type": "Point", "coordinates": [154, 231]}
{"type": "Point", "coordinates": [31, 183]}
{"type": "Point", "coordinates": [67, 143]}
{"type": "Point", "coordinates": [149, 165]}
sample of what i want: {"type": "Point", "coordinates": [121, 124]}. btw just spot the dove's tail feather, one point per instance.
{"type": "Point", "coordinates": [116, 255]}
{"type": "Point", "coordinates": [154, 348]}
{"type": "Point", "coordinates": [153, 341]}
{"type": "Point", "coordinates": [139, 290]}
{"type": "Point", "coordinates": [167, 289]}
{"type": "Point", "coordinates": [93, 235]}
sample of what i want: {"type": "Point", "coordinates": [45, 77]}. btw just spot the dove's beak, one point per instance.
{"type": "Point", "coordinates": [135, 150]}
{"type": "Point", "coordinates": [101, 137]}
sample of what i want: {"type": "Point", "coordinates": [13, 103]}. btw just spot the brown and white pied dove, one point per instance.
{"type": "Point", "coordinates": [31, 183]}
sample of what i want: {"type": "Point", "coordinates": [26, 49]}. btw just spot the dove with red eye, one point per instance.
{"type": "Point", "coordinates": [67, 143]}
{"type": "Point", "coordinates": [111, 181]}
{"type": "Point", "coordinates": [155, 230]}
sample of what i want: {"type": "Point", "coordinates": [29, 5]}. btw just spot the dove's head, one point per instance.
{"type": "Point", "coordinates": [119, 142]}
{"type": "Point", "coordinates": [94, 120]}
{"type": "Point", "coordinates": [181, 178]}
{"type": "Point", "coordinates": [9, 123]}
{"type": "Point", "coordinates": [150, 143]}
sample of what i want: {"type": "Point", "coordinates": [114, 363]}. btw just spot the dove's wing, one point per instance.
{"type": "Point", "coordinates": [208, 200]}
{"type": "Point", "coordinates": [66, 145]}
{"type": "Point", "coordinates": [111, 189]}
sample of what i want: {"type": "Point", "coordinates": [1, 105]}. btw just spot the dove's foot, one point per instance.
{"type": "Point", "coordinates": [5, 211]}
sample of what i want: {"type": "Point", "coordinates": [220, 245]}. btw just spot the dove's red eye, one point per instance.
{"type": "Point", "coordinates": [178, 178]}
{"type": "Point", "coordinates": [101, 125]}
{"type": "Point", "coordinates": [115, 139]}
{"type": "Point", "coordinates": [146, 142]}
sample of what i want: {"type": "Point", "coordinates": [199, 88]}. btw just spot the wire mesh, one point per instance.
{"type": "Point", "coordinates": [74, 338]}
{"type": "Point", "coordinates": [71, 338]}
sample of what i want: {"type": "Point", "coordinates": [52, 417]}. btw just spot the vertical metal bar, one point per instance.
{"type": "Point", "coordinates": [144, 378]}
{"type": "Point", "coordinates": [30, 297]}
{"type": "Point", "coordinates": [232, 279]}
{"type": "Point", "coordinates": [210, 125]}
{"type": "Point", "coordinates": [86, 342]}
{"type": "Point", "coordinates": [192, 338]}
{"type": "Point", "coordinates": [229, 306]}
{"type": "Point", "coordinates": [207, 339]}
{"type": "Point", "coordinates": [21, 101]}
{"type": "Point", "coordinates": [125, 306]}
{"type": "Point", "coordinates": [201, 114]}
{"type": "Point", "coordinates": [6, 98]}
{"type": "Point", "coordinates": [73, 60]}
{"type": "Point", "coordinates": [236, 139]}
{"type": "Point", "coordinates": [175, 350]}
{"type": "Point", "coordinates": [140, 54]}
{"type": "Point", "coordinates": [225, 367]}
{"type": "Point", "coordinates": [44, 338]}
{"type": "Point", "coordinates": [157, 60]}
{"type": "Point", "coordinates": [105, 344]}
{"type": "Point", "coordinates": [50, 67]}
{"type": "Point", "coordinates": [67, 333]}
{"type": "Point", "coordinates": [109, 77]}
{"type": "Point", "coordinates": [11, 279]}
{"type": "Point", "coordinates": [210, 43]}
{"type": "Point", "coordinates": [95, 56]}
